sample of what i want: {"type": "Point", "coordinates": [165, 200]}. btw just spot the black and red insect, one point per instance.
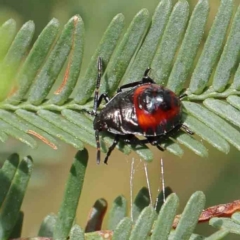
{"type": "Point", "coordinates": [145, 109]}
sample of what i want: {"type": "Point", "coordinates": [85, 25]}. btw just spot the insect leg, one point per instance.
{"type": "Point", "coordinates": [111, 148]}
{"type": "Point", "coordinates": [186, 129]}
{"type": "Point", "coordinates": [102, 96]}
{"type": "Point", "coordinates": [98, 146]}
{"type": "Point", "coordinates": [95, 103]}
{"type": "Point", "coordinates": [145, 79]}
{"type": "Point", "coordinates": [155, 142]}
{"type": "Point", "coordinates": [182, 96]}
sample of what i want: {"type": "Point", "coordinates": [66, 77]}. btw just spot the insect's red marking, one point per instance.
{"type": "Point", "coordinates": [148, 120]}
{"type": "Point", "coordinates": [45, 140]}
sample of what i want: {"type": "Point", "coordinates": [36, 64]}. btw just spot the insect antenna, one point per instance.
{"type": "Point", "coordinates": [98, 146]}
{"type": "Point", "coordinates": [95, 103]}
{"type": "Point", "coordinates": [95, 106]}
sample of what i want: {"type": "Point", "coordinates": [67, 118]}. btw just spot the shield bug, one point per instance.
{"type": "Point", "coordinates": [139, 108]}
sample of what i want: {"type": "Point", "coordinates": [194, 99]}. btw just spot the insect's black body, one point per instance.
{"type": "Point", "coordinates": [145, 109]}
{"type": "Point", "coordinates": [121, 114]}
{"type": "Point", "coordinates": [118, 116]}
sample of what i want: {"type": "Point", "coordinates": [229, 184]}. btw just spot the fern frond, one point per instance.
{"type": "Point", "coordinates": [35, 104]}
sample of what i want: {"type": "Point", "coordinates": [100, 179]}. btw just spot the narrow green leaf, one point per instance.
{"type": "Point", "coordinates": [163, 60]}
{"type": "Point", "coordinates": [96, 215]}
{"type": "Point", "coordinates": [105, 49]}
{"type": "Point", "coordinates": [143, 224]}
{"type": "Point", "coordinates": [163, 225]}
{"type": "Point", "coordinates": [74, 64]}
{"type": "Point", "coordinates": [194, 145]}
{"type": "Point", "coordinates": [218, 235]}
{"type": "Point", "coordinates": [146, 53]}
{"type": "Point", "coordinates": [50, 128]}
{"type": "Point", "coordinates": [225, 224]}
{"type": "Point", "coordinates": [236, 217]}
{"type": "Point", "coordinates": [12, 204]}
{"type": "Point", "coordinates": [229, 57]}
{"type": "Point", "coordinates": [141, 201]}
{"type": "Point", "coordinates": [67, 211]}
{"type": "Point", "coordinates": [224, 110]}
{"type": "Point", "coordinates": [212, 48]}
{"type": "Point", "coordinates": [14, 132]}
{"type": "Point", "coordinates": [7, 173]}
{"type": "Point", "coordinates": [213, 121]}
{"type": "Point", "coordinates": [190, 216]}
{"type": "Point", "coordinates": [117, 212]}
{"type": "Point", "coordinates": [76, 233]}
{"type": "Point", "coordinates": [172, 147]}
{"type": "Point", "coordinates": [206, 133]}
{"type": "Point", "coordinates": [17, 230]}
{"type": "Point", "coordinates": [195, 237]}
{"type": "Point", "coordinates": [35, 60]}
{"type": "Point", "coordinates": [7, 33]}
{"type": "Point", "coordinates": [86, 124]}
{"type": "Point", "coordinates": [22, 125]}
{"type": "Point", "coordinates": [47, 226]}
{"type": "Point", "coordinates": [235, 101]}
{"type": "Point", "coordinates": [124, 52]}
{"type": "Point", "coordinates": [95, 236]}
{"type": "Point", "coordinates": [160, 198]}
{"type": "Point", "coordinates": [144, 152]}
{"type": "Point", "coordinates": [13, 59]}
{"type": "Point", "coordinates": [52, 67]}
{"type": "Point", "coordinates": [123, 229]}
{"type": "Point", "coordinates": [192, 237]}
{"type": "Point", "coordinates": [189, 47]}
{"type": "Point", "coordinates": [67, 126]}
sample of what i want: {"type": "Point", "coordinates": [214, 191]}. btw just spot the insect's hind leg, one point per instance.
{"type": "Point", "coordinates": [111, 148]}
{"type": "Point", "coordinates": [155, 141]}
{"type": "Point", "coordinates": [98, 146]}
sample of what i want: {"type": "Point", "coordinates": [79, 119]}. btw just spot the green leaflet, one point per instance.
{"type": "Point", "coordinates": [149, 46]}
{"type": "Point", "coordinates": [124, 52]}
{"type": "Point", "coordinates": [117, 213]}
{"type": "Point", "coordinates": [212, 48]}
{"type": "Point", "coordinates": [14, 56]}
{"type": "Point", "coordinates": [34, 61]}
{"type": "Point", "coordinates": [47, 226]}
{"type": "Point", "coordinates": [189, 47]}
{"type": "Point", "coordinates": [105, 49]}
{"type": "Point", "coordinates": [10, 209]}
{"type": "Point", "coordinates": [163, 224]}
{"type": "Point", "coordinates": [67, 211]}
{"type": "Point", "coordinates": [163, 59]}
{"type": "Point", "coordinates": [42, 95]}
{"type": "Point", "coordinates": [192, 211]}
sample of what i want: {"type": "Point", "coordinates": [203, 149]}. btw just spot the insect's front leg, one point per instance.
{"type": "Point", "coordinates": [145, 79]}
